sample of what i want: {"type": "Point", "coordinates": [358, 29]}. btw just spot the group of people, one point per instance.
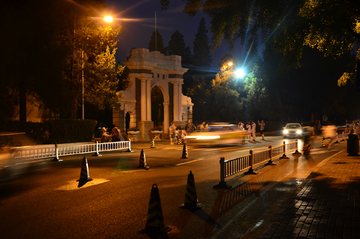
{"type": "Point", "coordinates": [177, 133]}
{"type": "Point", "coordinates": [251, 129]}
{"type": "Point", "coordinates": [114, 136]}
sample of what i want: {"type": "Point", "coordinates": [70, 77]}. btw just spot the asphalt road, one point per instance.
{"type": "Point", "coordinates": [43, 200]}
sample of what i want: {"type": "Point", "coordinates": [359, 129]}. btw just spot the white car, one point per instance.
{"type": "Point", "coordinates": [293, 130]}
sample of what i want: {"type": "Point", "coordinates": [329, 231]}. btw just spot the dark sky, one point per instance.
{"type": "Point", "coordinates": [137, 31]}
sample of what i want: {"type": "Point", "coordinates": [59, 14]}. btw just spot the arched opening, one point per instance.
{"type": "Point", "coordinates": [157, 107]}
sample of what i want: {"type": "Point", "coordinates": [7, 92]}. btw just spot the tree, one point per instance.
{"type": "Point", "coordinates": [330, 26]}
{"type": "Point", "coordinates": [156, 44]}
{"type": "Point", "coordinates": [176, 46]}
{"type": "Point", "coordinates": [93, 44]}
{"type": "Point", "coordinates": [42, 58]}
{"type": "Point", "coordinates": [202, 56]}
{"type": "Point", "coordinates": [224, 102]}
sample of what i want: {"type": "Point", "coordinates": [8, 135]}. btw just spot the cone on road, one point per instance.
{"type": "Point", "coordinates": [185, 153]}
{"type": "Point", "coordinates": [155, 219]}
{"type": "Point", "coordinates": [142, 161]}
{"type": "Point", "coordinates": [84, 174]}
{"type": "Point", "coordinates": [323, 145]}
{"type": "Point", "coordinates": [152, 145]}
{"type": "Point", "coordinates": [179, 141]}
{"type": "Point", "coordinates": [191, 202]}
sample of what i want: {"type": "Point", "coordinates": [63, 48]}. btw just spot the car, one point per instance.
{"type": "Point", "coordinates": [217, 134]}
{"type": "Point", "coordinates": [293, 130]}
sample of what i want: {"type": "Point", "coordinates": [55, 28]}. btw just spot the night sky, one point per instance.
{"type": "Point", "coordinates": [137, 32]}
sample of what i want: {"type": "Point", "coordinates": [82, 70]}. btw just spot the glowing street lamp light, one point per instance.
{"type": "Point", "coordinates": [240, 73]}
{"type": "Point", "coordinates": [108, 19]}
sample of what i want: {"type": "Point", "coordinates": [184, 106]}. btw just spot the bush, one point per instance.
{"type": "Point", "coordinates": [54, 131]}
{"type": "Point", "coordinates": [68, 131]}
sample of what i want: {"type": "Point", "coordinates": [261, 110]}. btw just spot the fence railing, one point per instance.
{"type": "Point", "coordinates": [247, 162]}
{"type": "Point", "coordinates": [42, 152]}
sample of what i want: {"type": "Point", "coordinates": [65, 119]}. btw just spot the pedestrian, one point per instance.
{"type": "Point", "coordinates": [262, 128]}
{"type": "Point", "coordinates": [183, 136]}
{"type": "Point", "coordinates": [242, 133]}
{"type": "Point", "coordinates": [248, 126]}
{"type": "Point", "coordinates": [172, 132]}
{"type": "Point", "coordinates": [202, 127]}
{"type": "Point", "coordinates": [115, 134]}
{"type": "Point", "coordinates": [190, 127]}
{"type": "Point", "coordinates": [241, 126]}
{"type": "Point", "coordinates": [253, 130]}
{"type": "Point", "coordinates": [104, 135]}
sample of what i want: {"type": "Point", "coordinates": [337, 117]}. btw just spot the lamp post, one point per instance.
{"type": "Point", "coordinates": [108, 19]}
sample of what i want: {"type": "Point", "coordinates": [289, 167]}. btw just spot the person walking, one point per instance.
{"type": "Point", "coordinates": [248, 126]}
{"type": "Point", "coordinates": [190, 127]}
{"type": "Point", "coordinates": [253, 130]}
{"type": "Point", "coordinates": [172, 132]}
{"type": "Point", "coordinates": [241, 126]}
{"type": "Point", "coordinates": [262, 128]}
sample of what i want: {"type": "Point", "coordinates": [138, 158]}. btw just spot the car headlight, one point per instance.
{"type": "Point", "coordinates": [286, 131]}
{"type": "Point", "coordinates": [298, 131]}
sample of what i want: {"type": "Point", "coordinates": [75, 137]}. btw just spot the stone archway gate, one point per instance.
{"type": "Point", "coordinates": [147, 70]}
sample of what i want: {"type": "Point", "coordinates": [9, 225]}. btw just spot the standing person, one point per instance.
{"type": "Point", "coordinates": [242, 135]}
{"type": "Point", "coordinates": [183, 134]}
{"type": "Point", "coordinates": [248, 126]}
{"type": "Point", "coordinates": [262, 128]}
{"type": "Point", "coordinates": [172, 132]}
{"type": "Point", "coordinates": [253, 130]}
{"type": "Point", "coordinates": [241, 126]}
{"type": "Point", "coordinates": [190, 127]}
{"type": "Point", "coordinates": [202, 127]}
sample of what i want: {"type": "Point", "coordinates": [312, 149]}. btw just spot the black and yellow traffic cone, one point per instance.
{"type": "Point", "coordinates": [142, 161]}
{"type": "Point", "coordinates": [155, 219]}
{"type": "Point", "coordinates": [323, 145]}
{"type": "Point", "coordinates": [84, 174]}
{"type": "Point", "coordinates": [191, 202]}
{"type": "Point", "coordinates": [179, 141]}
{"type": "Point", "coordinates": [152, 145]}
{"type": "Point", "coordinates": [185, 154]}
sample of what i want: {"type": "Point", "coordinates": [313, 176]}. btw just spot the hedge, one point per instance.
{"type": "Point", "coordinates": [54, 131]}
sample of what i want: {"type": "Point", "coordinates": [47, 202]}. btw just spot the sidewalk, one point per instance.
{"type": "Point", "coordinates": [325, 205]}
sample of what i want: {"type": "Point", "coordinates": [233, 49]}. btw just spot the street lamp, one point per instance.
{"type": "Point", "coordinates": [108, 19]}
{"type": "Point", "coordinates": [240, 73]}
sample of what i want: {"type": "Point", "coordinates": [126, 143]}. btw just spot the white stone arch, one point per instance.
{"type": "Point", "coordinates": [148, 69]}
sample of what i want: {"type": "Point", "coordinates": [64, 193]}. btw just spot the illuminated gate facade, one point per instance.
{"type": "Point", "coordinates": [147, 70]}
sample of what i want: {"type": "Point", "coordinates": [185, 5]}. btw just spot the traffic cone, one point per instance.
{"type": "Point", "coordinates": [155, 219]}
{"type": "Point", "coordinates": [142, 161]}
{"type": "Point", "coordinates": [84, 174]}
{"type": "Point", "coordinates": [191, 202]}
{"type": "Point", "coordinates": [185, 154]}
{"type": "Point", "coordinates": [179, 141]}
{"type": "Point", "coordinates": [152, 145]}
{"type": "Point", "coordinates": [323, 145]}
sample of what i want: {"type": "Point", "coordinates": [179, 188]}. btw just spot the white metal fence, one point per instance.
{"type": "Point", "coordinates": [45, 151]}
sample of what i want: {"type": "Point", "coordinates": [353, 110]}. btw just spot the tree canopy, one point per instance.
{"type": "Point", "coordinates": [44, 46]}
{"type": "Point", "coordinates": [330, 26]}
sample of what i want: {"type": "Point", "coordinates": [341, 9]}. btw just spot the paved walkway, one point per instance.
{"type": "Point", "coordinates": [325, 205]}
